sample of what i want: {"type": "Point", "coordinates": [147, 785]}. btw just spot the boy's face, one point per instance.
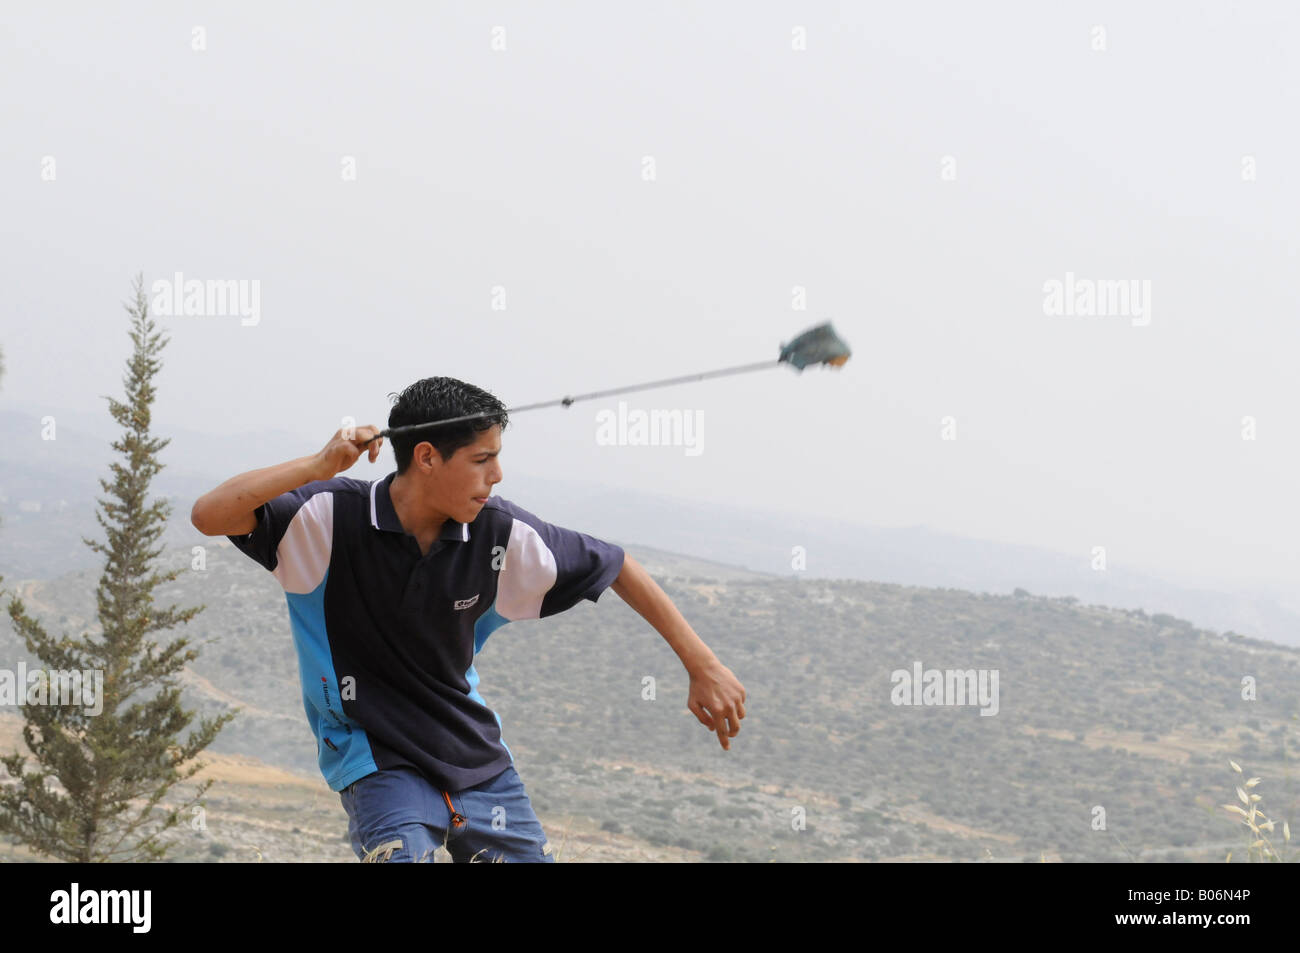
{"type": "Point", "coordinates": [460, 486]}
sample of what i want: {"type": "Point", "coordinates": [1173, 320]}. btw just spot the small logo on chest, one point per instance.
{"type": "Point", "coordinates": [466, 603]}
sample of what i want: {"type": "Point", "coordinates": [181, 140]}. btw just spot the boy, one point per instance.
{"type": "Point", "coordinates": [394, 585]}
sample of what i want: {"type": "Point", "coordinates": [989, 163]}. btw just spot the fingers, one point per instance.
{"type": "Point", "coordinates": [708, 720]}
{"type": "Point", "coordinates": [726, 722]}
{"type": "Point", "coordinates": [718, 707]}
{"type": "Point", "coordinates": [724, 732]}
{"type": "Point", "coordinates": [347, 445]}
{"type": "Point", "coordinates": [367, 439]}
{"type": "Point", "coordinates": [730, 725]}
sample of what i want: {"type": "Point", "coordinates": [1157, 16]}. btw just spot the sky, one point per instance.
{"type": "Point", "coordinates": [558, 198]}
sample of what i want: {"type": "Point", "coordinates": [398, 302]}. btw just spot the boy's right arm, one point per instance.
{"type": "Point", "coordinates": [231, 509]}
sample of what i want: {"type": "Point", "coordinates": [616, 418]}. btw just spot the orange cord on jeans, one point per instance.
{"type": "Point", "coordinates": [456, 818]}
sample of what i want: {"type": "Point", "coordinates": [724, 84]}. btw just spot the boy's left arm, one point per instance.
{"type": "Point", "coordinates": [716, 696]}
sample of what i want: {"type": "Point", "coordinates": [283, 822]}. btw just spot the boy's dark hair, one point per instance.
{"type": "Point", "coordinates": [440, 398]}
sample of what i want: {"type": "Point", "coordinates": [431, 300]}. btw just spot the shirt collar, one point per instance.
{"type": "Point", "coordinates": [384, 516]}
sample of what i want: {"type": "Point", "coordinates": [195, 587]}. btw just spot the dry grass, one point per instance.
{"type": "Point", "coordinates": [1258, 844]}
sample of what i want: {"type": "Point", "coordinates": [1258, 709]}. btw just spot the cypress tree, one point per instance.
{"type": "Point", "coordinates": [114, 768]}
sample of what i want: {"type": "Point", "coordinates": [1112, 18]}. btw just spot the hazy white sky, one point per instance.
{"type": "Point", "coordinates": [524, 169]}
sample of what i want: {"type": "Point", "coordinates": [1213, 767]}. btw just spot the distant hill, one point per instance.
{"type": "Point", "coordinates": [48, 488]}
{"type": "Point", "coordinates": [1098, 708]}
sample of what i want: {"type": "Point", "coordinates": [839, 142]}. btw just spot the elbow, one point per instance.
{"type": "Point", "coordinates": [198, 517]}
{"type": "Point", "coordinates": [208, 517]}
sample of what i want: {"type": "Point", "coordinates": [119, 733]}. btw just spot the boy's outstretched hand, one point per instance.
{"type": "Point", "coordinates": [717, 699]}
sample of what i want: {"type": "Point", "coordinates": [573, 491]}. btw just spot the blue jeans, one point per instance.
{"type": "Point", "coordinates": [399, 816]}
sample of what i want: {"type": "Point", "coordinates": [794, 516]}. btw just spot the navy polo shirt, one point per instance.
{"type": "Point", "coordinates": [386, 636]}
